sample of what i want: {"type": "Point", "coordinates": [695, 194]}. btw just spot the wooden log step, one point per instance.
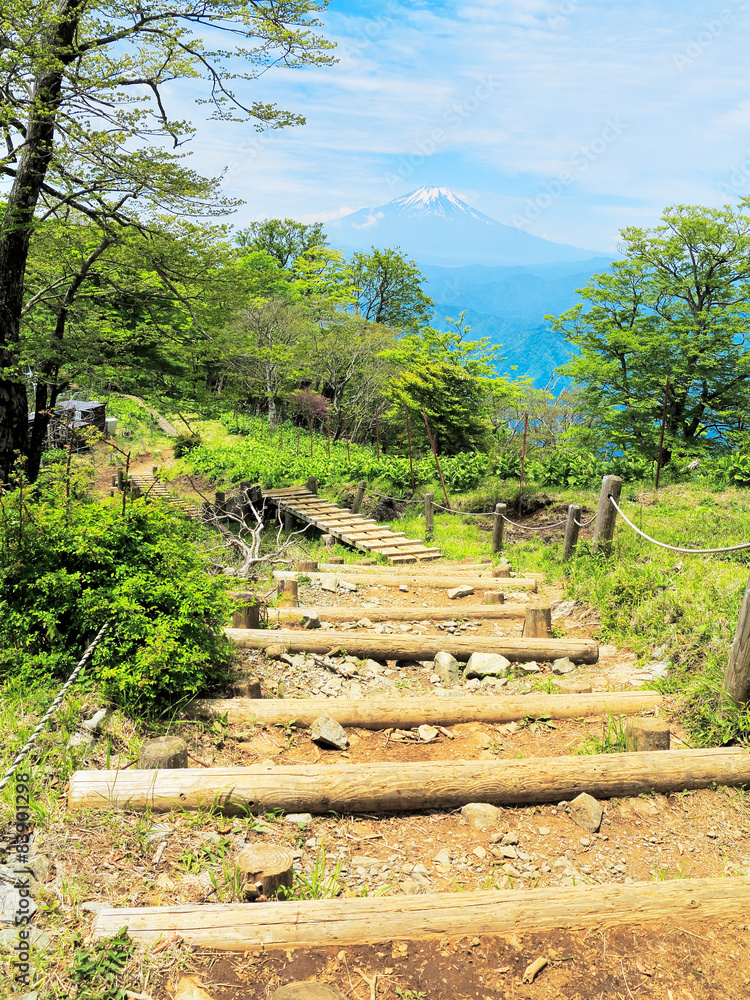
{"type": "Point", "coordinates": [398, 560]}
{"type": "Point", "coordinates": [401, 613]}
{"type": "Point", "coordinates": [371, 920]}
{"type": "Point", "coordinates": [407, 713]}
{"type": "Point", "coordinates": [415, 647]}
{"type": "Point", "coordinates": [396, 544]}
{"type": "Point", "coordinates": [413, 549]}
{"type": "Point", "coordinates": [441, 784]}
{"type": "Point", "coordinates": [373, 536]}
{"type": "Point", "coordinates": [439, 582]}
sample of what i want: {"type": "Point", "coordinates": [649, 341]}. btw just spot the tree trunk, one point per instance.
{"type": "Point", "coordinates": [17, 226]}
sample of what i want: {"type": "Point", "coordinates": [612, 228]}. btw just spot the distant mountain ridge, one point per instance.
{"type": "Point", "coordinates": [505, 279]}
{"type": "Point", "coordinates": [435, 226]}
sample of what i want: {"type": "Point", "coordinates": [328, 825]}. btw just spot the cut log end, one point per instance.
{"type": "Point", "coordinates": [264, 869]}
{"type": "Point", "coordinates": [163, 752]}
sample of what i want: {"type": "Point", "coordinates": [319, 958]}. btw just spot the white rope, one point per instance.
{"type": "Point", "coordinates": [53, 707]}
{"type": "Point", "coordinates": [675, 548]}
{"type": "Point", "coordinates": [540, 527]}
{"type": "Point", "coordinates": [587, 522]}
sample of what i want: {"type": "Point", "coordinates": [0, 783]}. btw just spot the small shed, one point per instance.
{"type": "Point", "coordinates": [90, 412]}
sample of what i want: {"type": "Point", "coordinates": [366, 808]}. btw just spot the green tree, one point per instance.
{"type": "Point", "coordinates": [85, 89]}
{"type": "Point", "coordinates": [284, 239]}
{"type": "Point", "coordinates": [388, 289]}
{"type": "Point", "coordinates": [677, 306]}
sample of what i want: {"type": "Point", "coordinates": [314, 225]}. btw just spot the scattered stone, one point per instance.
{"type": "Point", "coordinates": [409, 887]}
{"type": "Point", "coordinates": [447, 668]}
{"type": "Point", "coordinates": [508, 852]}
{"type": "Point", "coordinates": [586, 812]}
{"type": "Point", "coordinates": [38, 865]}
{"type": "Point", "coordinates": [427, 733]}
{"type": "Point", "coordinates": [350, 588]}
{"type": "Point", "coordinates": [643, 734]}
{"type": "Point", "coordinates": [484, 664]}
{"type": "Point", "coordinates": [329, 583]}
{"type": "Point", "coordinates": [544, 831]}
{"type": "Point", "coordinates": [403, 588]}
{"type": "Point", "coordinates": [480, 853]}
{"type": "Point", "coordinates": [275, 651]}
{"type": "Point", "coordinates": [563, 666]}
{"type": "Point", "coordinates": [302, 819]}
{"type": "Point", "coordinates": [163, 752]}
{"type": "Point", "coordinates": [509, 839]}
{"type": "Point", "coordinates": [463, 591]}
{"type": "Point", "coordinates": [585, 842]}
{"type": "Point", "coordinates": [529, 668]}
{"type": "Point", "coordinates": [326, 732]}
{"type": "Point", "coordinates": [481, 815]}
{"type": "Point", "coordinates": [510, 870]}
{"type": "Point", "coordinates": [374, 667]}
{"type": "Point", "coordinates": [12, 903]}
{"type": "Point", "coordinates": [191, 988]}
{"type": "Point", "coordinates": [310, 619]}
{"type": "Point", "coordinates": [94, 906]}
{"type": "Point", "coordinates": [94, 725]}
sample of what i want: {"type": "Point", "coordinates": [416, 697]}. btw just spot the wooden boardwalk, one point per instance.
{"type": "Point", "coordinates": [150, 486]}
{"type": "Point", "coordinates": [351, 529]}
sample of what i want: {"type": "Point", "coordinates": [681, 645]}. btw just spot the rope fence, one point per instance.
{"type": "Point", "coordinates": [677, 548]}
{"type": "Point", "coordinates": [23, 754]}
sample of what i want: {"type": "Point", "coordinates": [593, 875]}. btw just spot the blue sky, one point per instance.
{"type": "Point", "coordinates": [570, 118]}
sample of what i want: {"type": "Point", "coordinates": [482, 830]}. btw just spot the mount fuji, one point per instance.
{"type": "Point", "coordinates": [434, 226]}
{"type": "Point", "coordinates": [505, 280]}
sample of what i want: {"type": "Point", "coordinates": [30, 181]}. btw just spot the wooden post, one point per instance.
{"type": "Point", "coordinates": [287, 592]}
{"type": "Point", "coordinates": [248, 616]}
{"type": "Point", "coordinates": [429, 516]}
{"type": "Point", "coordinates": [113, 482]}
{"type": "Point", "coordinates": [737, 676]}
{"type": "Point", "coordinates": [307, 566]}
{"type": "Point", "coordinates": [572, 527]}
{"type": "Point", "coordinates": [408, 435]}
{"type": "Point", "coordinates": [661, 436]}
{"type": "Point", "coordinates": [523, 455]}
{"type": "Point", "coordinates": [538, 622]}
{"type": "Point", "coordinates": [359, 497]}
{"type": "Point", "coordinates": [120, 479]}
{"type": "Point", "coordinates": [606, 515]}
{"type": "Point", "coordinates": [288, 520]}
{"type": "Point", "coordinates": [154, 470]}
{"type": "Point", "coordinates": [312, 485]}
{"type": "Point", "coordinates": [498, 523]}
{"type": "Point", "coordinates": [437, 460]}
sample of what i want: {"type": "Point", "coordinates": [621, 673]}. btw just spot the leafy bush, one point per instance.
{"type": "Point", "coordinates": [729, 470]}
{"type": "Point", "coordinates": [185, 443]}
{"type": "Point", "coordinates": [69, 564]}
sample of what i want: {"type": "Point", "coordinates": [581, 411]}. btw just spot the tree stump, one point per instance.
{"type": "Point", "coordinates": [328, 540]}
{"type": "Point", "coordinates": [307, 566]}
{"type": "Point", "coordinates": [308, 991]}
{"type": "Point", "coordinates": [647, 734]}
{"type": "Point", "coordinates": [248, 616]}
{"type": "Point", "coordinates": [245, 687]}
{"type": "Point", "coordinates": [502, 570]}
{"type": "Point", "coordinates": [493, 597]}
{"type": "Point", "coordinates": [287, 594]}
{"type": "Point", "coordinates": [163, 752]}
{"type": "Point", "coordinates": [264, 869]}
{"type": "Point", "coordinates": [337, 560]}
{"type": "Point", "coordinates": [538, 623]}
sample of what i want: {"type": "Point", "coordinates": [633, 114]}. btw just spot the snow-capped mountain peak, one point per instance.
{"type": "Point", "coordinates": [440, 201]}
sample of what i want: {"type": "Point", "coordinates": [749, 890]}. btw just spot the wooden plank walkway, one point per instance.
{"type": "Point", "coordinates": [351, 529]}
{"type": "Point", "coordinates": [150, 486]}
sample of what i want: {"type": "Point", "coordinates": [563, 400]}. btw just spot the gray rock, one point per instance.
{"type": "Point", "coordinates": [509, 839]}
{"type": "Point", "coordinates": [310, 619]}
{"type": "Point", "coordinates": [486, 664]}
{"type": "Point", "coordinates": [350, 588]}
{"type": "Point", "coordinates": [563, 666]}
{"type": "Point", "coordinates": [12, 904]}
{"type": "Point", "coordinates": [83, 741]}
{"type": "Point", "coordinates": [403, 588]}
{"type": "Point", "coordinates": [94, 724]}
{"type": "Point", "coordinates": [374, 667]}
{"type": "Point", "coordinates": [329, 583]}
{"type": "Point", "coordinates": [39, 865]}
{"type": "Point", "coordinates": [463, 591]}
{"type": "Point", "coordinates": [447, 668]}
{"type": "Point", "coordinates": [481, 815]}
{"type": "Point", "coordinates": [529, 668]}
{"type": "Point", "coordinates": [409, 887]}
{"type": "Point", "coordinates": [586, 812]}
{"type": "Point", "coordinates": [427, 733]}
{"type": "Point", "coordinates": [302, 819]}
{"type": "Point", "coordinates": [326, 732]}
{"type": "Point", "coordinates": [93, 906]}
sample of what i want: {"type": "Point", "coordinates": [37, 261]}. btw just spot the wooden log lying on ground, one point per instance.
{"type": "Point", "coordinates": [442, 784]}
{"type": "Point", "coordinates": [487, 582]}
{"type": "Point", "coordinates": [400, 613]}
{"type": "Point", "coordinates": [415, 647]}
{"type": "Point", "coordinates": [435, 569]}
{"type": "Point", "coordinates": [406, 713]}
{"type": "Point", "coordinates": [371, 920]}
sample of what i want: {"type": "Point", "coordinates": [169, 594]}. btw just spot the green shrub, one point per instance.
{"type": "Point", "coordinates": [69, 564]}
{"type": "Point", "coordinates": [185, 443]}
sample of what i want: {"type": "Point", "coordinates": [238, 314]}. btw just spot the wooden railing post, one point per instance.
{"type": "Point", "coordinates": [572, 527]}
{"type": "Point", "coordinates": [498, 524]}
{"type": "Point", "coordinates": [737, 676]}
{"type": "Point", "coordinates": [359, 497]}
{"type": "Point", "coordinates": [312, 485]}
{"type": "Point", "coordinates": [429, 516]}
{"type": "Point", "coordinates": [247, 616]}
{"type": "Point", "coordinates": [606, 515]}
